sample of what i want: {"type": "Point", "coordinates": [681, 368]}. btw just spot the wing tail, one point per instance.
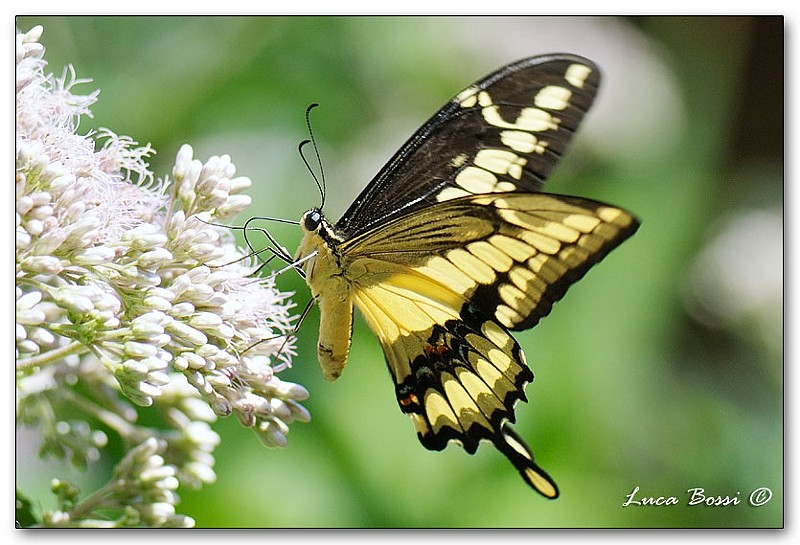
{"type": "Point", "coordinates": [519, 454]}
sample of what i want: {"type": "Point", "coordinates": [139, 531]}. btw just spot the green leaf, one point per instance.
{"type": "Point", "coordinates": [24, 517]}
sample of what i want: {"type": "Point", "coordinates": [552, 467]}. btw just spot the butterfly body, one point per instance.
{"type": "Point", "coordinates": [327, 277]}
{"type": "Point", "coordinates": [453, 246]}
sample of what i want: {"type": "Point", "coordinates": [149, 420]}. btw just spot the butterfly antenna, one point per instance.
{"type": "Point", "coordinates": [276, 249]}
{"type": "Point", "coordinates": [281, 252]}
{"type": "Point", "coordinates": [321, 180]}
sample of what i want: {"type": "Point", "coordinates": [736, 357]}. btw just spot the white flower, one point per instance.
{"type": "Point", "coordinates": [126, 284]}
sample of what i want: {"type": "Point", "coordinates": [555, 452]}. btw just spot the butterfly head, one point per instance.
{"type": "Point", "coordinates": [319, 237]}
{"type": "Point", "coordinates": [312, 220]}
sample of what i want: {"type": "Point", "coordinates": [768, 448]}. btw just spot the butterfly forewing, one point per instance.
{"type": "Point", "coordinates": [503, 133]}
{"type": "Point", "coordinates": [513, 255]}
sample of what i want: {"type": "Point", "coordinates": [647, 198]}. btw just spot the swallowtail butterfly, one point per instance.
{"type": "Point", "coordinates": [452, 246]}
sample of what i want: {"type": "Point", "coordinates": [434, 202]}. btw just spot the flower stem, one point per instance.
{"type": "Point", "coordinates": [28, 364]}
{"type": "Point", "coordinates": [97, 500]}
{"type": "Point", "coordinates": [110, 419]}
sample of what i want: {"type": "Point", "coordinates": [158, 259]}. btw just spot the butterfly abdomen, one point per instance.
{"type": "Point", "coordinates": [335, 331]}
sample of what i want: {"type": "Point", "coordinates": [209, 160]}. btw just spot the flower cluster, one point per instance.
{"type": "Point", "coordinates": [127, 285]}
{"type": "Point", "coordinates": [142, 490]}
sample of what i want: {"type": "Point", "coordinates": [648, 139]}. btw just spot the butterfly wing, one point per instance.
{"type": "Point", "coordinates": [451, 246]}
{"type": "Point", "coordinates": [441, 288]}
{"type": "Point", "coordinates": [503, 133]}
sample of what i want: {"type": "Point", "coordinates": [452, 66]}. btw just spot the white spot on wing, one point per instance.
{"type": "Point", "coordinates": [576, 74]}
{"type": "Point", "coordinates": [501, 162]}
{"type": "Point", "coordinates": [553, 97]}
{"type": "Point", "coordinates": [459, 160]}
{"type": "Point", "coordinates": [523, 142]}
{"type": "Point", "coordinates": [449, 193]}
{"type": "Point", "coordinates": [467, 97]}
{"type": "Point", "coordinates": [476, 180]}
{"type": "Point", "coordinates": [530, 119]}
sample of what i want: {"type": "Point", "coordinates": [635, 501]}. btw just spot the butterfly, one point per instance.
{"type": "Point", "coordinates": [452, 246]}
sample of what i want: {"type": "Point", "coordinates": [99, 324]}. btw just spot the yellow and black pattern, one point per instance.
{"type": "Point", "coordinates": [442, 287]}
{"type": "Point", "coordinates": [452, 246]}
{"type": "Point", "coordinates": [513, 255]}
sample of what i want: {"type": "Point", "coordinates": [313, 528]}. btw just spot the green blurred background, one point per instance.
{"type": "Point", "coordinates": [662, 369]}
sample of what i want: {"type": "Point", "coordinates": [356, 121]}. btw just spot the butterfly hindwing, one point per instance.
{"type": "Point", "coordinates": [505, 132]}
{"type": "Point", "coordinates": [442, 287]}
{"type": "Point", "coordinates": [458, 373]}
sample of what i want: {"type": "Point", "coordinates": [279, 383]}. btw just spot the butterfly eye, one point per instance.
{"type": "Point", "coordinates": [311, 220]}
